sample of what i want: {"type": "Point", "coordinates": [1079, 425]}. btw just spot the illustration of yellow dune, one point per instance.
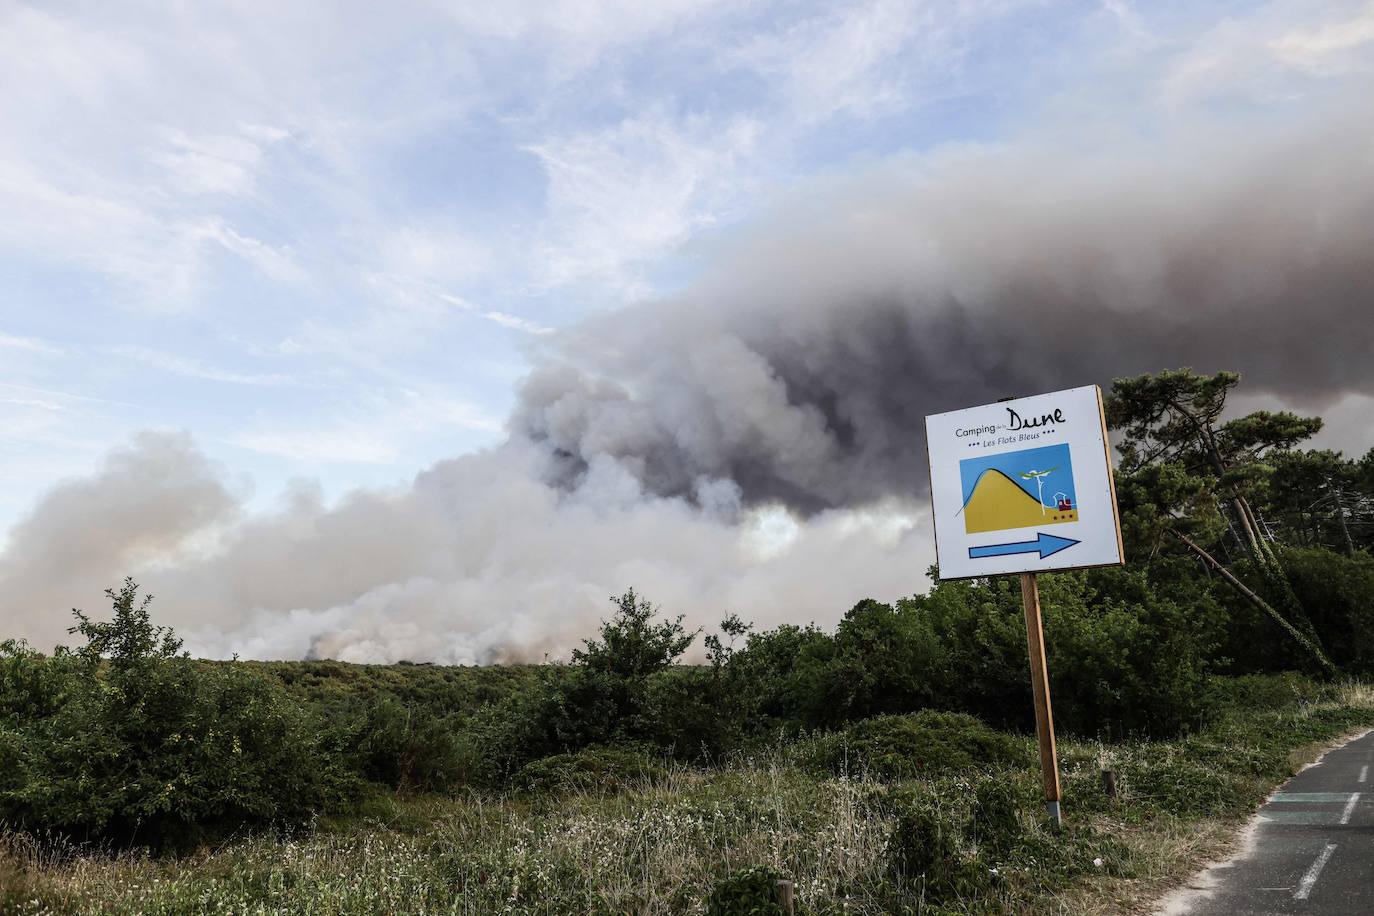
{"type": "Point", "coordinates": [997, 503]}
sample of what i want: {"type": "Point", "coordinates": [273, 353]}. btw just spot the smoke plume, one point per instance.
{"type": "Point", "coordinates": [753, 443]}
{"type": "Point", "coordinates": [801, 372]}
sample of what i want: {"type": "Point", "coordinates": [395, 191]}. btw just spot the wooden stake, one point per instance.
{"type": "Point", "coordinates": [786, 898]}
{"type": "Point", "coordinates": [1040, 689]}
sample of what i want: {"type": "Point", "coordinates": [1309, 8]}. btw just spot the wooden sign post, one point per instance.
{"type": "Point", "coordinates": [1040, 690]}
{"type": "Point", "coordinates": [1024, 486]}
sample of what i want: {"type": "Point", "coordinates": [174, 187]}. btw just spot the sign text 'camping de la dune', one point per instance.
{"type": "Point", "coordinates": [1025, 486]}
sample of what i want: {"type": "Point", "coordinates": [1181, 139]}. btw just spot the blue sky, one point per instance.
{"type": "Point", "coordinates": [328, 239]}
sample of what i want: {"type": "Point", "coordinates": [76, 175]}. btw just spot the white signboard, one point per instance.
{"type": "Point", "coordinates": [1023, 486]}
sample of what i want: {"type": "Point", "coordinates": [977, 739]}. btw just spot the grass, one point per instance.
{"type": "Point", "coordinates": [658, 844]}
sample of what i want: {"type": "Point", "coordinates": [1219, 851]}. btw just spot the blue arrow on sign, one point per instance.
{"type": "Point", "coordinates": [1047, 545]}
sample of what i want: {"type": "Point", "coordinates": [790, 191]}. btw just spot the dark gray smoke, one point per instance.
{"type": "Point", "coordinates": [803, 369]}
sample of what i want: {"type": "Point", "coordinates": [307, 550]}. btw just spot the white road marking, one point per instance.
{"type": "Point", "coordinates": [1364, 772]}
{"type": "Point", "coordinates": [1313, 871]}
{"type": "Point", "coordinates": [1310, 818]}
{"type": "Point", "coordinates": [1308, 798]}
{"type": "Point", "coordinates": [1349, 807]}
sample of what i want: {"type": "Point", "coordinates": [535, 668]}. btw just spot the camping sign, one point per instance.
{"type": "Point", "coordinates": [1023, 485]}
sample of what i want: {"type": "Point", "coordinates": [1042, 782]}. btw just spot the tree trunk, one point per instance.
{"type": "Point", "coordinates": [1256, 600]}
{"type": "Point", "coordinates": [1345, 531]}
{"type": "Point", "coordinates": [1247, 525]}
{"type": "Point", "coordinates": [1208, 441]}
{"type": "Point", "coordinates": [1265, 548]}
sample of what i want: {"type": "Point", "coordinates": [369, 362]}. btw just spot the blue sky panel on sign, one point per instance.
{"type": "Point", "coordinates": [1018, 489]}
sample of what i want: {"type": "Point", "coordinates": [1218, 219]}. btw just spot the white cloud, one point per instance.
{"type": "Point", "coordinates": [436, 254]}
{"type": "Point", "coordinates": [1128, 18]}
{"type": "Point", "coordinates": [378, 430]}
{"type": "Point", "coordinates": [622, 196]}
{"type": "Point", "coordinates": [64, 396]}
{"type": "Point", "coordinates": [28, 344]}
{"type": "Point", "coordinates": [273, 262]}
{"type": "Point", "coordinates": [38, 403]}
{"type": "Point", "coordinates": [106, 163]}
{"type": "Point", "coordinates": [216, 163]}
{"type": "Point", "coordinates": [351, 443]}
{"type": "Point", "coordinates": [193, 368]}
{"type": "Point", "coordinates": [504, 319]}
{"type": "Point", "coordinates": [574, 34]}
{"type": "Point", "coordinates": [1330, 47]}
{"type": "Point", "coordinates": [517, 323]}
{"type": "Point", "coordinates": [58, 56]}
{"type": "Point", "coordinates": [1268, 56]}
{"type": "Point", "coordinates": [864, 59]}
{"type": "Point", "coordinates": [836, 62]}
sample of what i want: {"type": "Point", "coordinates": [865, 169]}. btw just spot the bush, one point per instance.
{"type": "Point", "coordinates": [895, 747]}
{"type": "Point", "coordinates": [150, 745]}
{"type": "Point", "coordinates": [1130, 652]}
{"type": "Point", "coordinates": [405, 746]}
{"type": "Point", "coordinates": [922, 843]}
{"type": "Point", "coordinates": [747, 892]}
{"type": "Point", "coordinates": [882, 659]}
{"type": "Point", "coordinates": [1262, 691]}
{"type": "Point", "coordinates": [1337, 592]}
{"type": "Point", "coordinates": [770, 677]}
{"type": "Point", "coordinates": [34, 686]}
{"type": "Point", "coordinates": [1127, 654]}
{"type": "Point", "coordinates": [695, 713]}
{"type": "Point", "coordinates": [1186, 788]}
{"type": "Point", "coordinates": [923, 857]}
{"type": "Point", "coordinates": [605, 697]}
{"type": "Point", "coordinates": [996, 821]}
{"type": "Point", "coordinates": [590, 769]}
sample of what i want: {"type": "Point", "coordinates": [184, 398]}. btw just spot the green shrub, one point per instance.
{"type": "Point", "coordinates": [1130, 652]}
{"type": "Point", "coordinates": [589, 769]}
{"type": "Point", "coordinates": [1337, 593]}
{"type": "Point", "coordinates": [694, 713]}
{"type": "Point", "coordinates": [996, 821]}
{"type": "Point", "coordinates": [746, 892]}
{"type": "Point", "coordinates": [770, 678]}
{"type": "Point", "coordinates": [136, 742]}
{"type": "Point", "coordinates": [405, 746]}
{"type": "Point", "coordinates": [922, 843]}
{"type": "Point", "coordinates": [1187, 787]}
{"type": "Point", "coordinates": [894, 747]}
{"type": "Point", "coordinates": [924, 858]}
{"type": "Point", "coordinates": [881, 660]}
{"type": "Point", "coordinates": [605, 697]}
{"type": "Point", "coordinates": [32, 685]}
{"type": "Point", "coordinates": [1262, 691]}
{"type": "Point", "coordinates": [1130, 655]}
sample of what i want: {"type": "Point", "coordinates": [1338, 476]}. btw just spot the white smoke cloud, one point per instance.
{"type": "Point", "coordinates": [148, 506]}
{"type": "Point", "coordinates": [479, 561]}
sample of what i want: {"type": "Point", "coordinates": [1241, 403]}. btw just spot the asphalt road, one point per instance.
{"type": "Point", "coordinates": [1309, 850]}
